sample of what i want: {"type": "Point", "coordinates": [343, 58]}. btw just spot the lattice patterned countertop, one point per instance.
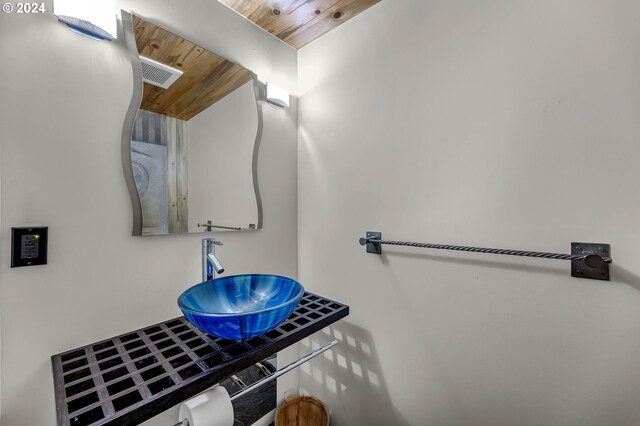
{"type": "Point", "coordinates": [130, 378]}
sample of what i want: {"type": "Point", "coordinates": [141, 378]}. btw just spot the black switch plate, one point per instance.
{"type": "Point", "coordinates": [29, 246]}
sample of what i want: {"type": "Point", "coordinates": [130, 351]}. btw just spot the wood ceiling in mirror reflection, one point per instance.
{"type": "Point", "coordinates": [299, 22]}
{"type": "Point", "coordinates": [207, 77]}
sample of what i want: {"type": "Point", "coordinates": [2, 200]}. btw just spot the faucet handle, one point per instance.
{"type": "Point", "coordinates": [212, 241]}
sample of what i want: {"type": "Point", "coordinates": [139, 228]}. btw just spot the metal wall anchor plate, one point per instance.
{"type": "Point", "coordinates": [375, 248]}
{"type": "Point", "coordinates": [591, 267]}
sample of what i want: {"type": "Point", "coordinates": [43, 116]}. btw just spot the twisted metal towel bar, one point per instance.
{"type": "Point", "coordinates": [588, 260]}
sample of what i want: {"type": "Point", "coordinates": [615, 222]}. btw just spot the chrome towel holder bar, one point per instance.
{"type": "Point", "coordinates": [588, 260]}
{"type": "Point", "coordinates": [275, 375]}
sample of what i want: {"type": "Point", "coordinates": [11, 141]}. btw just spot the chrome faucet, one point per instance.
{"type": "Point", "coordinates": [210, 263]}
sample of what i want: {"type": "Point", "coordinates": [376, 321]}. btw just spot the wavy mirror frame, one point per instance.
{"type": "Point", "coordinates": [129, 122]}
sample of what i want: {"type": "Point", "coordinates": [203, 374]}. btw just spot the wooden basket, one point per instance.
{"type": "Point", "coordinates": [302, 411]}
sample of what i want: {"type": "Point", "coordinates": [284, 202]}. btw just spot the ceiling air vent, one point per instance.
{"type": "Point", "coordinates": [158, 74]}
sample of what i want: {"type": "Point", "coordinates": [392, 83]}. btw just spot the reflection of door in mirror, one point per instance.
{"type": "Point", "coordinates": [195, 138]}
{"type": "Point", "coordinates": [160, 170]}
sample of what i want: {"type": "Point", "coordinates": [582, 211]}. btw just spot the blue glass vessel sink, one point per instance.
{"type": "Point", "coordinates": [239, 307]}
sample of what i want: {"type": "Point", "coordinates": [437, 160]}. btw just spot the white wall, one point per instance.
{"type": "Point", "coordinates": [492, 123]}
{"type": "Point", "coordinates": [220, 143]}
{"type": "Point", "coordinates": [63, 98]}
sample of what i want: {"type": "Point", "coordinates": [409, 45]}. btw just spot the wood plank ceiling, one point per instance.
{"type": "Point", "coordinates": [299, 22]}
{"type": "Point", "coordinates": [206, 77]}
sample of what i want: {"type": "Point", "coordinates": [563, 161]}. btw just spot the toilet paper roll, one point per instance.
{"type": "Point", "coordinates": [212, 408]}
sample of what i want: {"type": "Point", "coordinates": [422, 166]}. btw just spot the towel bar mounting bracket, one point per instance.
{"type": "Point", "coordinates": [375, 248]}
{"type": "Point", "coordinates": [587, 268]}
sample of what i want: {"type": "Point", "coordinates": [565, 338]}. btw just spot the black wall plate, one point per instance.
{"type": "Point", "coordinates": [375, 248]}
{"type": "Point", "coordinates": [583, 269]}
{"type": "Point", "coordinates": [29, 246]}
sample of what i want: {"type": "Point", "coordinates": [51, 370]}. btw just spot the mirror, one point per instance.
{"type": "Point", "coordinates": [191, 138]}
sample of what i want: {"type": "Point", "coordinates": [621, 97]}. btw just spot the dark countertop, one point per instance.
{"type": "Point", "coordinates": [133, 377]}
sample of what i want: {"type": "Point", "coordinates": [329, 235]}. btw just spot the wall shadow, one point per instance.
{"type": "Point", "coordinates": [556, 268]}
{"type": "Point", "coordinates": [561, 267]}
{"type": "Point", "coordinates": [348, 377]}
{"type": "Point", "coordinates": [625, 276]}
